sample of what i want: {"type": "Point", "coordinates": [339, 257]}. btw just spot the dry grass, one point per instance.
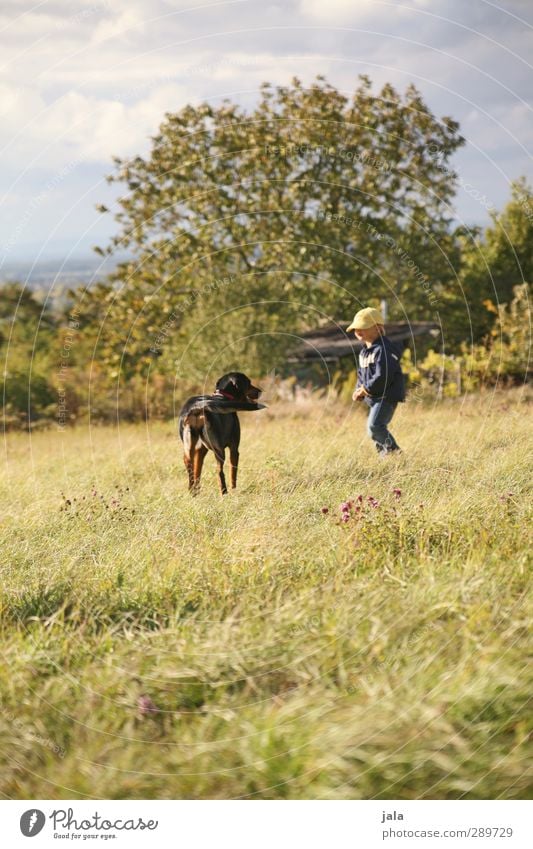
{"type": "Point", "coordinates": [287, 655]}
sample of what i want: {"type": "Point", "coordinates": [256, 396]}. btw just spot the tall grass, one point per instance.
{"type": "Point", "coordinates": [160, 646]}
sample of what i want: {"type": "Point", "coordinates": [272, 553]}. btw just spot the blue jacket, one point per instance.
{"type": "Point", "coordinates": [380, 372]}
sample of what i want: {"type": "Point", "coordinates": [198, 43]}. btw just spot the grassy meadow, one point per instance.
{"type": "Point", "coordinates": [253, 646]}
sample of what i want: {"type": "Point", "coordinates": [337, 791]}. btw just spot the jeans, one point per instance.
{"type": "Point", "coordinates": [379, 417]}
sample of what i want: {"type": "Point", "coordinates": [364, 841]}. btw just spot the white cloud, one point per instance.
{"type": "Point", "coordinates": [83, 80]}
{"type": "Point", "coordinates": [123, 26]}
{"type": "Point", "coordinates": [91, 129]}
{"type": "Point", "coordinates": [336, 11]}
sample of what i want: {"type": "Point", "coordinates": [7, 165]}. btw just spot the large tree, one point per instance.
{"type": "Point", "coordinates": [309, 205]}
{"type": "Point", "coordinates": [493, 263]}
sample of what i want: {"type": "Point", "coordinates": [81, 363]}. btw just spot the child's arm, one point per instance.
{"type": "Point", "coordinates": [359, 391]}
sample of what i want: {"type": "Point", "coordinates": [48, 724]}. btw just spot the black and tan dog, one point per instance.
{"type": "Point", "coordinates": [211, 422]}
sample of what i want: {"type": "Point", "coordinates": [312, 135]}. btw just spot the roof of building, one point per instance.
{"type": "Point", "coordinates": [331, 342]}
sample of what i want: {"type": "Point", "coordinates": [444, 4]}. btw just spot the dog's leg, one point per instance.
{"type": "Point", "coordinates": [221, 478]}
{"type": "Point", "coordinates": [188, 465]}
{"type": "Point", "coordinates": [198, 462]}
{"type": "Point", "coordinates": [189, 443]}
{"type": "Point", "coordinates": [234, 462]}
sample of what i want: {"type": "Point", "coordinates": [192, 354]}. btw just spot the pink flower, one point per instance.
{"type": "Point", "coordinates": [345, 506]}
{"type": "Point", "coordinates": [146, 706]}
{"type": "Point", "coordinates": [345, 517]}
{"type": "Point", "coordinates": [324, 510]}
{"type": "Point", "coordinates": [397, 493]}
{"type": "Point", "coordinates": [360, 499]}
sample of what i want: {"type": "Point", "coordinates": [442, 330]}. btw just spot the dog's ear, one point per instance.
{"type": "Point", "coordinates": [238, 382]}
{"type": "Point", "coordinates": [223, 382]}
{"type": "Point", "coordinates": [241, 381]}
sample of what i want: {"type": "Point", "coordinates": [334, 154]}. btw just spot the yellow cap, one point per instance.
{"type": "Point", "coordinates": [366, 318]}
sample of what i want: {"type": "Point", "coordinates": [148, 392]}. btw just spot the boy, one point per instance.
{"type": "Point", "coordinates": [379, 377]}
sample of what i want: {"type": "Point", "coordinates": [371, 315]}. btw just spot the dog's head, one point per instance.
{"type": "Point", "coordinates": [237, 386]}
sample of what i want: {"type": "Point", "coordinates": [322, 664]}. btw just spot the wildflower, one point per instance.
{"type": "Point", "coordinates": [324, 510]}
{"type": "Point", "coordinates": [345, 506]}
{"type": "Point", "coordinates": [397, 493]}
{"type": "Point", "coordinates": [345, 517]}
{"type": "Point", "coordinates": [359, 499]}
{"type": "Point", "coordinates": [146, 706]}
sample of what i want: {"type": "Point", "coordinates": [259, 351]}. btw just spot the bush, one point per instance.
{"type": "Point", "coordinates": [504, 358]}
{"type": "Point", "coordinates": [26, 402]}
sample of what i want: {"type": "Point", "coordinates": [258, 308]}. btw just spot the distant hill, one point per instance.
{"type": "Point", "coordinates": [58, 273]}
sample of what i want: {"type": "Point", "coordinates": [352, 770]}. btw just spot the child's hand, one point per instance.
{"type": "Point", "coordinates": [358, 394]}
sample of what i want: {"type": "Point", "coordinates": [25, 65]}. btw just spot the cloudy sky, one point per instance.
{"type": "Point", "coordinates": [83, 80]}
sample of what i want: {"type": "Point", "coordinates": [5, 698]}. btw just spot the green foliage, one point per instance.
{"type": "Point", "coordinates": [309, 203]}
{"type": "Point", "coordinates": [26, 337]}
{"type": "Point", "coordinates": [504, 358]}
{"type": "Point", "coordinates": [493, 263]}
{"type": "Point", "coordinates": [27, 397]}
{"type": "Point", "coordinates": [247, 228]}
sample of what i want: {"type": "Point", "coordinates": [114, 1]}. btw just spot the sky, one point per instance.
{"type": "Point", "coordinates": [82, 81]}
